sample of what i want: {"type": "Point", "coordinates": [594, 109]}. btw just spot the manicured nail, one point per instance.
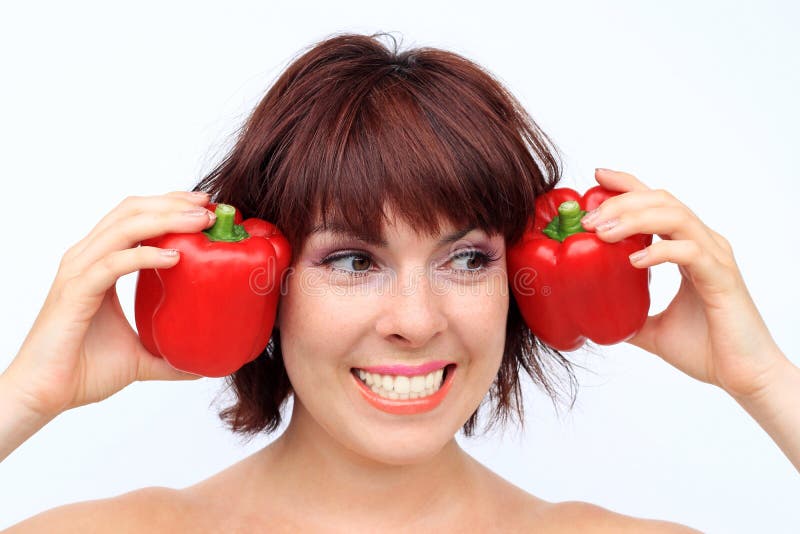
{"type": "Point", "coordinates": [636, 256]}
{"type": "Point", "coordinates": [606, 225]}
{"type": "Point", "coordinates": [196, 212]}
{"type": "Point", "coordinates": [590, 217]}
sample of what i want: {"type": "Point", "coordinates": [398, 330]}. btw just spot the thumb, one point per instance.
{"type": "Point", "coordinates": [155, 368]}
{"type": "Point", "coordinates": [645, 338]}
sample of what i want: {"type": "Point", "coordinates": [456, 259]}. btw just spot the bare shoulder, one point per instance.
{"type": "Point", "coordinates": [586, 517]}
{"type": "Point", "coordinates": [153, 509]}
{"type": "Point", "coordinates": [515, 510]}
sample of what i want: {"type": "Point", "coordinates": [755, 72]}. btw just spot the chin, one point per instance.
{"type": "Point", "coordinates": [398, 442]}
{"type": "Point", "coordinates": [402, 450]}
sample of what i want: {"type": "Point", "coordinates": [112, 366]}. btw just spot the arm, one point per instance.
{"type": "Point", "coordinates": [776, 408]}
{"type": "Point", "coordinates": [17, 422]}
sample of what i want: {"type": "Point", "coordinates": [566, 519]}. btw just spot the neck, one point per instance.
{"type": "Point", "coordinates": [307, 466]}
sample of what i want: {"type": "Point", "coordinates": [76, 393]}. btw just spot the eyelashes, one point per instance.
{"type": "Point", "coordinates": [486, 258]}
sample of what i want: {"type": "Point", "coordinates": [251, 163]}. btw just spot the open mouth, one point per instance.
{"type": "Point", "coordinates": [401, 387]}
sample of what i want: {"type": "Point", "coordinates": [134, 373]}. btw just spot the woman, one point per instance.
{"type": "Point", "coordinates": [400, 180]}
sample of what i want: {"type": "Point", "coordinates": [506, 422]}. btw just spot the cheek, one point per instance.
{"type": "Point", "coordinates": [483, 327]}
{"type": "Point", "coordinates": [483, 316]}
{"type": "Point", "coordinates": [318, 323]}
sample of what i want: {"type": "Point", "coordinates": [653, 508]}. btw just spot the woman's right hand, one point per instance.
{"type": "Point", "coordinates": [81, 348]}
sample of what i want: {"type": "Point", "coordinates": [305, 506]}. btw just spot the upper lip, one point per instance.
{"type": "Point", "coordinates": [406, 370]}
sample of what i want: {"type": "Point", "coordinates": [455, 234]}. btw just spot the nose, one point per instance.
{"type": "Point", "coordinates": [412, 314]}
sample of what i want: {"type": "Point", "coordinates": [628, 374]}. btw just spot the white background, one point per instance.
{"type": "Point", "coordinates": [699, 98]}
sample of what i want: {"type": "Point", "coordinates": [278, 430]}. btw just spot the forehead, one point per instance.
{"type": "Point", "coordinates": [371, 225]}
{"type": "Point", "coordinates": [342, 231]}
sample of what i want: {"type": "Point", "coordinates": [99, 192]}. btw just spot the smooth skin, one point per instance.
{"type": "Point", "coordinates": [728, 346]}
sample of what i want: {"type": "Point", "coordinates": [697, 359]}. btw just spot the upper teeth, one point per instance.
{"type": "Point", "coordinates": [403, 387]}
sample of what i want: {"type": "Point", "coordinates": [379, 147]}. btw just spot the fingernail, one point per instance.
{"type": "Point", "coordinates": [636, 256]}
{"type": "Point", "coordinates": [171, 252]}
{"type": "Point", "coordinates": [200, 194]}
{"type": "Point", "coordinates": [196, 212]}
{"type": "Point", "coordinates": [591, 216]}
{"type": "Point", "coordinates": [606, 225]}
{"type": "Point", "coordinates": [600, 169]}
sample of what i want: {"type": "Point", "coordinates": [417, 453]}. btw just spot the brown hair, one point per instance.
{"type": "Point", "coordinates": [352, 125]}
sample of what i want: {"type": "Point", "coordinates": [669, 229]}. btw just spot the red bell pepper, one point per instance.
{"type": "Point", "coordinates": [214, 310]}
{"type": "Point", "coordinates": [568, 283]}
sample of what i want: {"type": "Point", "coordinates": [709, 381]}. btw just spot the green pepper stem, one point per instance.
{"type": "Point", "coordinates": [570, 214]}
{"type": "Point", "coordinates": [567, 222]}
{"type": "Point", "coordinates": [224, 229]}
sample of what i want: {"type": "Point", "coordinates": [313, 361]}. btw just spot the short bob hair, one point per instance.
{"type": "Point", "coordinates": [352, 125]}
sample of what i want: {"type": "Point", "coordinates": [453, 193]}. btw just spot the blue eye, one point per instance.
{"type": "Point", "coordinates": [359, 262]}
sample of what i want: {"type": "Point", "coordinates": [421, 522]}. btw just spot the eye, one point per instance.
{"type": "Point", "coordinates": [477, 260]}
{"type": "Point", "coordinates": [357, 264]}
{"type": "Point", "coordinates": [360, 267]}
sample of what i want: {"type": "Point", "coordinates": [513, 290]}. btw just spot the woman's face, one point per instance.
{"type": "Point", "coordinates": [369, 332]}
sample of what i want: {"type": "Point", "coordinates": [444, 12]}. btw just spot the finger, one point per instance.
{"type": "Point", "coordinates": [131, 231]}
{"type": "Point", "coordinates": [646, 200]}
{"type": "Point", "coordinates": [670, 222]}
{"type": "Point", "coordinates": [704, 270]}
{"type": "Point", "coordinates": [173, 201]}
{"type": "Point", "coordinates": [630, 201]}
{"type": "Point", "coordinates": [85, 292]}
{"type": "Point", "coordinates": [618, 181]}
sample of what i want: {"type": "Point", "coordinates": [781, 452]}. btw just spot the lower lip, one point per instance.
{"type": "Point", "coordinates": [409, 406]}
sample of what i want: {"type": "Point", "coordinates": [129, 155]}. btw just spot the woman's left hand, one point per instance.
{"type": "Point", "coordinates": [711, 330]}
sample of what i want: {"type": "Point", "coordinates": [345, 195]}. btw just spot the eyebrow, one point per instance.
{"type": "Point", "coordinates": [341, 230]}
